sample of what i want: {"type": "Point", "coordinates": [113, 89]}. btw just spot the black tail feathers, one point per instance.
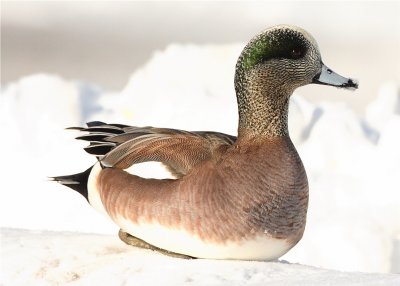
{"type": "Point", "coordinates": [77, 182]}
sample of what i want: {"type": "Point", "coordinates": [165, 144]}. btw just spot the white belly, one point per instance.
{"type": "Point", "coordinates": [179, 241]}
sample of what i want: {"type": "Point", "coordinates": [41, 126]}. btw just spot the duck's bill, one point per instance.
{"type": "Point", "coordinates": [329, 77]}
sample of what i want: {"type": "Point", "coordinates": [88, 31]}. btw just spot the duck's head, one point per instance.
{"type": "Point", "coordinates": [273, 64]}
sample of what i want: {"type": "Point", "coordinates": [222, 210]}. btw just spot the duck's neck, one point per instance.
{"type": "Point", "coordinates": [263, 110]}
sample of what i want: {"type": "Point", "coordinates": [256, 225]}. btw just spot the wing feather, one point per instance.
{"type": "Point", "coordinates": [121, 146]}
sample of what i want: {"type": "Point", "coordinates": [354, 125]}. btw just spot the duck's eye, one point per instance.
{"type": "Point", "coordinates": [296, 53]}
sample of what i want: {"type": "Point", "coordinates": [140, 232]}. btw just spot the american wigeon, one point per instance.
{"type": "Point", "coordinates": [241, 197]}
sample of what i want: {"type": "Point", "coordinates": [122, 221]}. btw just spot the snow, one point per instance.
{"type": "Point", "coordinates": [351, 162]}
{"type": "Point", "coordinates": [59, 259]}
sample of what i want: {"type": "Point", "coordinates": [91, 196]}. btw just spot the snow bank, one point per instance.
{"type": "Point", "coordinates": [352, 162]}
{"type": "Point", "coordinates": [59, 258]}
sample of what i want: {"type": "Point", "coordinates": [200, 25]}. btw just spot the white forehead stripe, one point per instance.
{"type": "Point", "coordinates": [297, 29]}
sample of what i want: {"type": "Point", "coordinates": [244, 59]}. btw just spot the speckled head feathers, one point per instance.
{"type": "Point", "coordinates": [289, 53]}
{"type": "Point", "coordinates": [271, 66]}
{"type": "Point", "coordinates": [279, 42]}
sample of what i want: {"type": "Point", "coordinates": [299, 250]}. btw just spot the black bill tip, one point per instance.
{"type": "Point", "coordinates": [350, 84]}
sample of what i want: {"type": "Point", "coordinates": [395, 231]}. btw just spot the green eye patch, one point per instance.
{"type": "Point", "coordinates": [288, 45]}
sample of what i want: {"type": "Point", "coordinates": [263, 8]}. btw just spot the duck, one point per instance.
{"type": "Point", "coordinates": [241, 197]}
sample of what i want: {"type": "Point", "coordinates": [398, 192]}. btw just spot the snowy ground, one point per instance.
{"type": "Point", "coordinates": [352, 164]}
{"type": "Point", "coordinates": [59, 259]}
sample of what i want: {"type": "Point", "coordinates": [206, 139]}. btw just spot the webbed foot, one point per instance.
{"type": "Point", "coordinates": [137, 242]}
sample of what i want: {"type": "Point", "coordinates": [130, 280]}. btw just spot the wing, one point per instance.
{"type": "Point", "coordinates": [121, 146]}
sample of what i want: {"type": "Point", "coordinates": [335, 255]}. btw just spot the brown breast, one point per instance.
{"type": "Point", "coordinates": [255, 187]}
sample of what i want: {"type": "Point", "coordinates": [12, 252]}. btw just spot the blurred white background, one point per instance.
{"type": "Point", "coordinates": [169, 64]}
{"type": "Point", "coordinates": [104, 42]}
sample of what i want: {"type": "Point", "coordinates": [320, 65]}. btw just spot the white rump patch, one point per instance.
{"type": "Point", "coordinates": [93, 191]}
